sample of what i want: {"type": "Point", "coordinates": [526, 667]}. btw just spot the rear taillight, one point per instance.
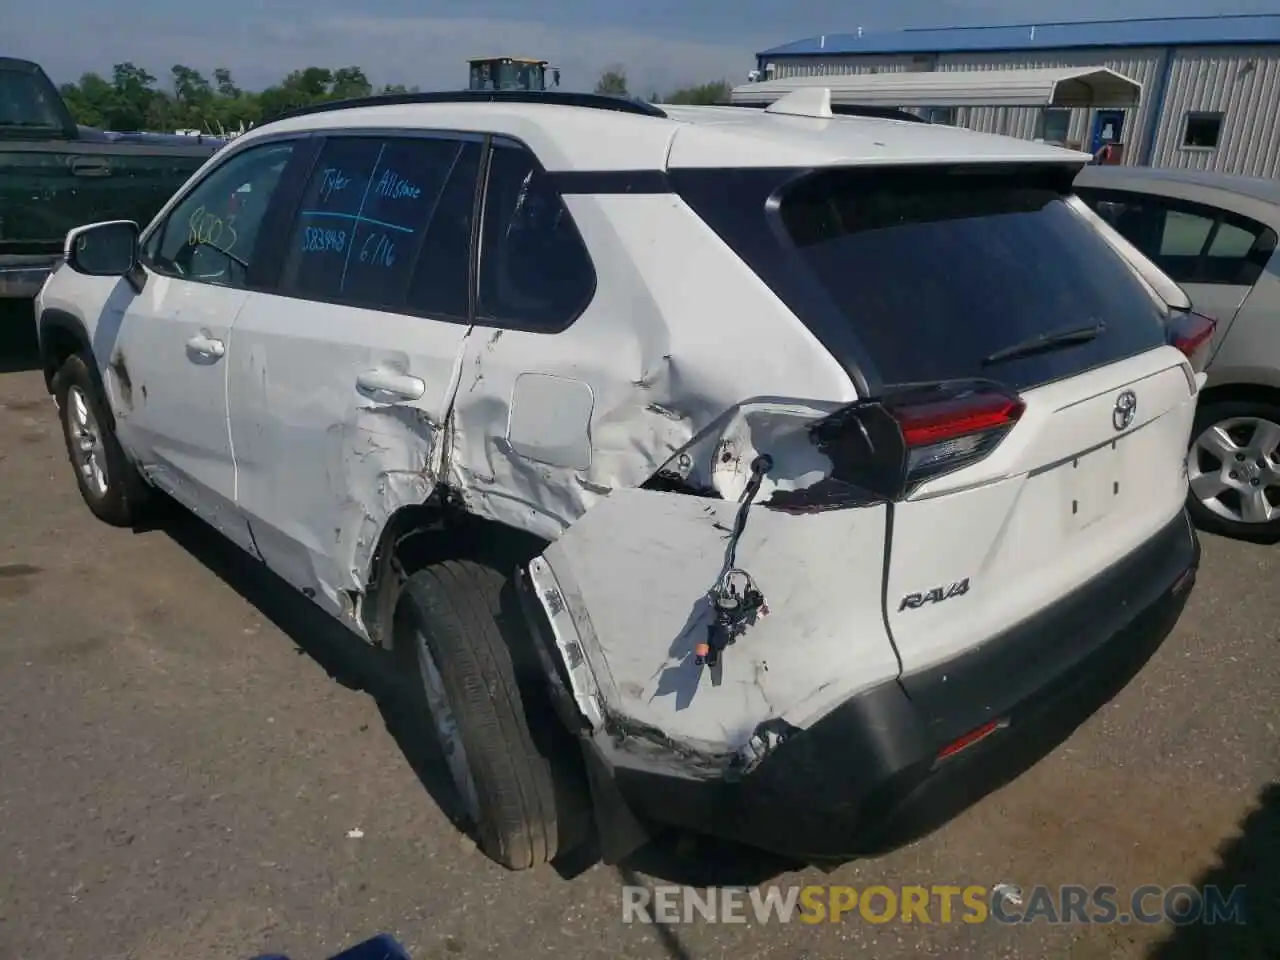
{"type": "Point", "coordinates": [882, 450]}
{"type": "Point", "coordinates": [1192, 333]}
{"type": "Point", "coordinates": [947, 434]}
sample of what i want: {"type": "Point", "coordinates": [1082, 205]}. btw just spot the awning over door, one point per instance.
{"type": "Point", "coordinates": [1046, 87]}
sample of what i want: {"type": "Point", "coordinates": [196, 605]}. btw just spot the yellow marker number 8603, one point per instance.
{"type": "Point", "coordinates": [209, 229]}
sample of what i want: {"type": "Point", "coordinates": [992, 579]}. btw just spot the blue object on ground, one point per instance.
{"type": "Point", "coordinates": [381, 947]}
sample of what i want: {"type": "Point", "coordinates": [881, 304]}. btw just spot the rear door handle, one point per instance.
{"type": "Point", "coordinates": [389, 383]}
{"type": "Point", "coordinates": [90, 167]}
{"type": "Point", "coordinates": [206, 346]}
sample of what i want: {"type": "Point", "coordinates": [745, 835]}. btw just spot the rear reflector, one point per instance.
{"type": "Point", "coordinates": [1192, 333]}
{"type": "Point", "coordinates": [972, 737]}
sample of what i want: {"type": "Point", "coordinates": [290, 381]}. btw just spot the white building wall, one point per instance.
{"type": "Point", "coordinates": [1243, 83]}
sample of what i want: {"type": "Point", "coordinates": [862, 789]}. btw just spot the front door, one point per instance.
{"type": "Point", "coordinates": [1108, 128]}
{"type": "Point", "coordinates": [342, 379]}
{"type": "Point", "coordinates": [169, 363]}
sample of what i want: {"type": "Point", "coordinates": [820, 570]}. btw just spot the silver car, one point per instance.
{"type": "Point", "coordinates": [1216, 236]}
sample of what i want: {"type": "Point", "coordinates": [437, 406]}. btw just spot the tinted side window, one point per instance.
{"type": "Point", "coordinates": [1129, 216]}
{"type": "Point", "coordinates": [1237, 253]}
{"type": "Point", "coordinates": [1231, 241]}
{"type": "Point", "coordinates": [441, 282]}
{"type": "Point", "coordinates": [1205, 245]}
{"type": "Point", "coordinates": [211, 233]}
{"type": "Point", "coordinates": [369, 213]}
{"type": "Point", "coordinates": [1189, 242]}
{"type": "Point", "coordinates": [1184, 234]}
{"type": "Point", "coordinates": [535, 272]}
{"type": "Point", "coordinates": [24, 101]}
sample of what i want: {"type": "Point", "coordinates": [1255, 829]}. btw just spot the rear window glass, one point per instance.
{"type": "Point", "coordinates": [25, 101]}
{"type": "Point", "coordinates": [937, 271]}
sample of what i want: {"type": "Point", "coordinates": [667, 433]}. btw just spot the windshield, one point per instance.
{"type": "Point", "coordinates": [25, 101]}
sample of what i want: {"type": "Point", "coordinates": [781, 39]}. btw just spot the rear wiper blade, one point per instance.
{"type": "Point", "coordinates": [1047, 342]}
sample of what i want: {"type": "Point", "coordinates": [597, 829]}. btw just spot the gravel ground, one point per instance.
{"type": "Point", "coordinates": [187, 752]}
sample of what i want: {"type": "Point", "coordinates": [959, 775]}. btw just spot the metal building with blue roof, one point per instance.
{"type": "Point", "coordinates": [1210, 85]}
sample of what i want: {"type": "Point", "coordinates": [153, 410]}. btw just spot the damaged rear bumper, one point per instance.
{"type": "Point", "coordinates": [876, 772]}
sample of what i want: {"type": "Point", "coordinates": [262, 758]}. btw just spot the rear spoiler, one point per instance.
{"type": "Point", "coordinates": [1161, 287]}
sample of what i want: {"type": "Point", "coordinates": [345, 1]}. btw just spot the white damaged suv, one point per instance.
{"type": "Point", "coordinates": [811, 467]}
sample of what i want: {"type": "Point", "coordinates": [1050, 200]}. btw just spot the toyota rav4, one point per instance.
{"type": "Point", "coordinates": [805, 468]}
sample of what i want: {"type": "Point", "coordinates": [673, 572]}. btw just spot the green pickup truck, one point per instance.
{"type": "Point", "coordinates": [55, 175]}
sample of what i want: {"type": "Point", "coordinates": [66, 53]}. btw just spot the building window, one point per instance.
{"type": "Point", "coordinates": [1054, 124]}
{"type": "Point", "coordinates": [1203, 130]}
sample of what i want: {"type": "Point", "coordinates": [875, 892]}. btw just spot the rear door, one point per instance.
{"type": "Point", "coordinates": [1215, 255]}
{"type": "Point", "coordinates": [953, 275]}
{"type": "Point", "coordinates": [342, 377]}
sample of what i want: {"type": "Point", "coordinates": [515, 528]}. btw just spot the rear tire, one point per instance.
{"type": "Point", "coordinates": [109, 483]}
{"type": "Point", "coordinates": [1218, 501]}
{"type": "Point", "coordinates": [449, 634]}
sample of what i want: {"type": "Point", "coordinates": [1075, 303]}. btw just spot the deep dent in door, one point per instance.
{"type": "Point", "coordinates": [500, 462]}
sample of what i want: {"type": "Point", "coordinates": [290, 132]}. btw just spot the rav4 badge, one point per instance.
{"type": "Point", "coordinates": [914, 601]}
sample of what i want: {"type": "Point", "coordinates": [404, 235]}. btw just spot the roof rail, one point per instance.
{"type": "Point", "coordinates": [561, 98]}
{"type": "Point", "coordinates": [844, 110]}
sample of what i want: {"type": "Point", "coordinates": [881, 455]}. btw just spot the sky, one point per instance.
{"type": "Point", "coordinates": [661, 44]}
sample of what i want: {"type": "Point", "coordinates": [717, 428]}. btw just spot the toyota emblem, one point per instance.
{"type": "Point", "coordinates": [1126, 409]}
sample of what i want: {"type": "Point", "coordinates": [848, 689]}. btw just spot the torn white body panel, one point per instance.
{"type": "Point", "coordinates": [625, 590]}
{"type": "Point", "coordinates": [336, 420]}
{"type": "Point", "coordinates": [544, 425]}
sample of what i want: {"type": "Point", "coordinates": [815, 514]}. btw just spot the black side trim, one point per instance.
{"type": "Point", "coordinates": [985, 683]}
{"type": "Point", "coordinates": [610, 181]}
{"type": "Point", "coordinates": [59, 325]}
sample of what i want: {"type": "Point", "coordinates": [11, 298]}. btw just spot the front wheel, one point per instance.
{"type": "Point", "coordinates": [1233, 468]}
{"type": "Point", "coordinates": [109, 484]}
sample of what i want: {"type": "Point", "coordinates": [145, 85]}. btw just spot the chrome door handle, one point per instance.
{"type": "Point", "coordinates": [388, 383]}
{"type": "Point", "coordinates": [206, 347]}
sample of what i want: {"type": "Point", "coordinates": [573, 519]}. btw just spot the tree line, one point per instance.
{"type": "Point", "coordinates": [614, 82]}
{"type": "Point", "coordinates": [133, 99]}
